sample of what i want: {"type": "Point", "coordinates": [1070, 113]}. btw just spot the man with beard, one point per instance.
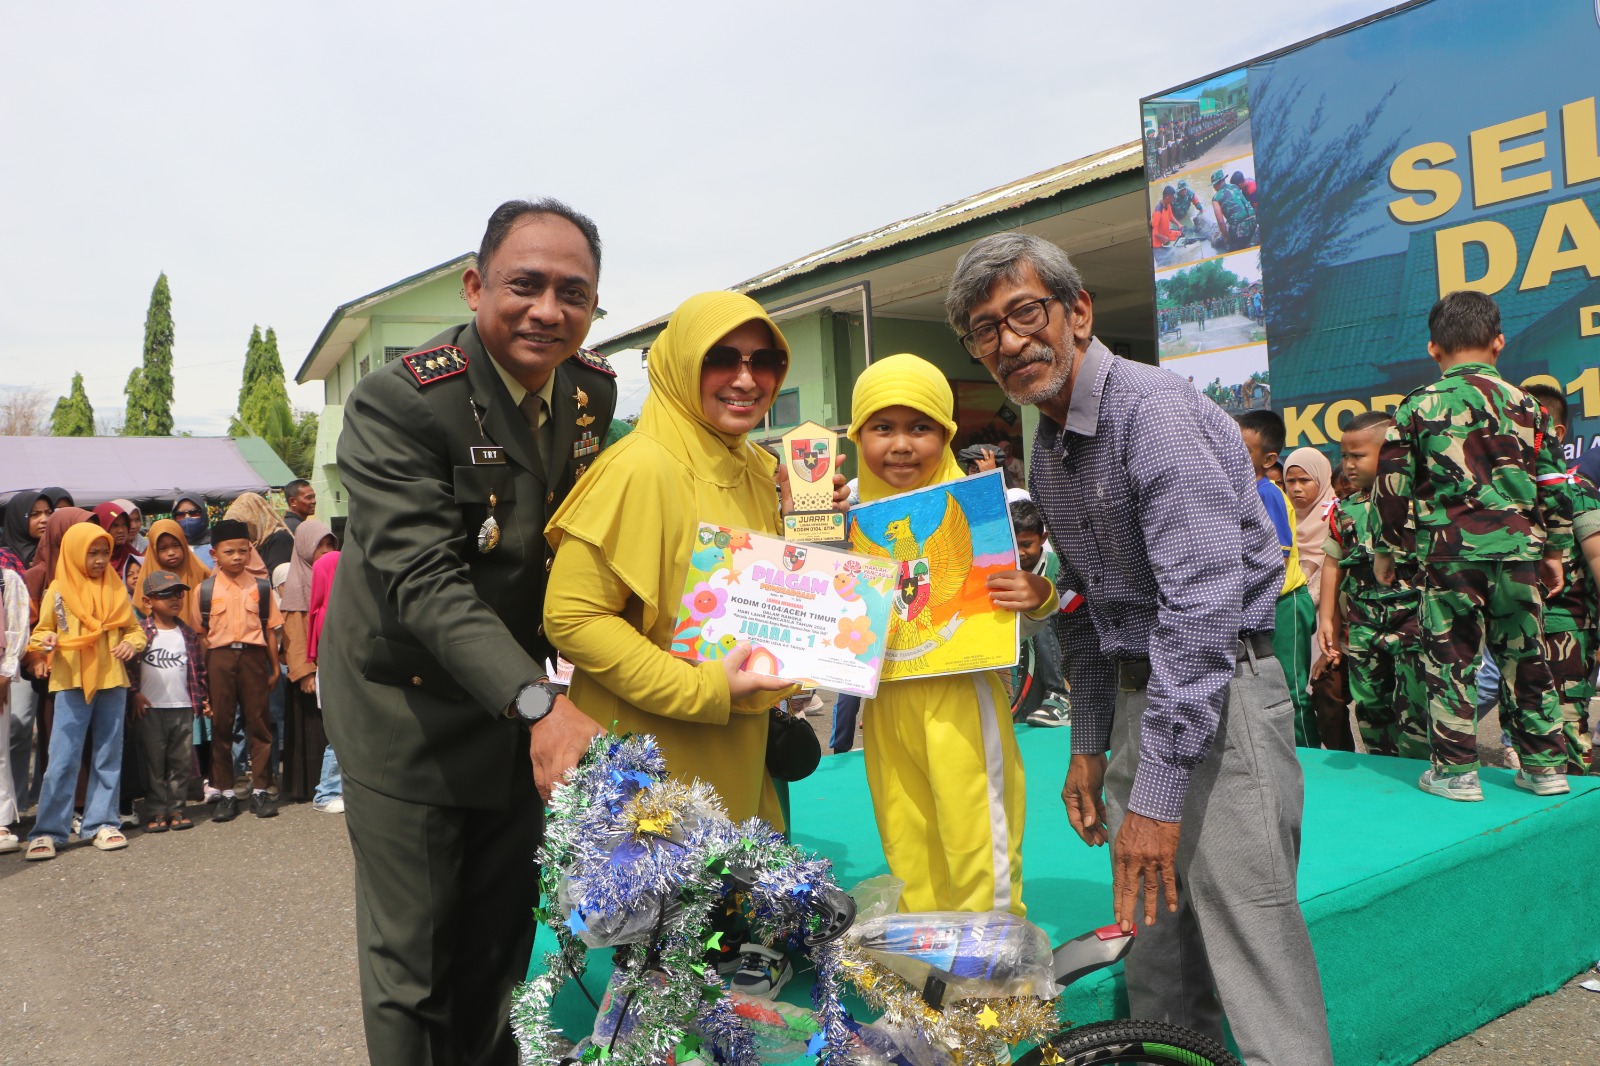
{"type": "Point", "coordinates": [1150, 497]}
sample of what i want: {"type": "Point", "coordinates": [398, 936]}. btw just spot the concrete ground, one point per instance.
{"type": "Point", "coordinates": [233, 945]}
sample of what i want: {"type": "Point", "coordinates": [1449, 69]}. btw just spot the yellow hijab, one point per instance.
{"type": "Point", "coordinates": [647, 539]}
{"type": "Point", "coordinates": [903, 380]}
{"type": "Point", "coordinates": [191, 571]}
{"type": "Point", "coordinates": [100, 606]}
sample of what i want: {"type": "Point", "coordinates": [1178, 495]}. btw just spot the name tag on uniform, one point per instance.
{"type": "Point", "coordinates": [485, 455]}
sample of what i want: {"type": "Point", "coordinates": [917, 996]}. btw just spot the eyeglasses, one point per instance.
{"type": "Point", "coordinates": [769, 363]}
{"type": "Point", "coordinates": [190, 513]}
{"type": "Point", "coordinates": [1024, 321]}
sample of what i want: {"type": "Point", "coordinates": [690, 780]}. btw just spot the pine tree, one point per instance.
{"type": "Point", "coordinates": [263, 395]}
{"type": "Point", "coordinates": [149, 388]}
{"type": "Point", "coordinates": [73, 415]}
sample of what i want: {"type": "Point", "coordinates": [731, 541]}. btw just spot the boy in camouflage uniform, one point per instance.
{"type": "Point", "coordinates": [1472, 465]}
{"type": "Point", "coordinates": [1384, 640]}
{"type": "Point", "coordinates": [1572, 614]}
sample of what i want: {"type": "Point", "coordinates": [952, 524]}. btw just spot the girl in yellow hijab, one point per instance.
{"type": "Point", "coordinates": [624, 536]}
{"type": "Point", "coordinates": [87, 627]}
{"type": "Point", "coordinates": [941, 753]}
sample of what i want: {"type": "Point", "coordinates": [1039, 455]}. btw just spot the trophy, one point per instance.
{"type": "Point", "coordinates": [808, 454]}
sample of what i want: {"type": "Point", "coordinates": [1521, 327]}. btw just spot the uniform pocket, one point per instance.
{"type": "Point", "coordinates": [482, 492]}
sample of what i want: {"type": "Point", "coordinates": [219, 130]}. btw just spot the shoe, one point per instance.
{"type": "Point", "coordinates": [77, 821]}
{"type": "Point", "coordinates": [333, 806]}
{"type": "Point", "coordinates": [1542, 784]}
{"type": "Point", "coordinates": [109, 838]}
{"type": "Point", "coordinates": [40, 848]}
{"type": "Point", "coordinates": [263, 805]}
{"type": "Point", "coordinates": [1052, 713]}
{"type": "Point", "coordinates": [8, 841]}
{"type": "Point", "coordinates": [1452, 786]}
{"type": "Point", "coordinates": [762, 972]}
{"type": "Point", "coordinates": [1513, 760]}
{"type": "Point", "coordinates": [227, 809]}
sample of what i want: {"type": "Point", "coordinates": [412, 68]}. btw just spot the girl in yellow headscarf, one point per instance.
{"type": "Point", "coordinates": [624, 536]}
{"type": "Point", "coordinates": [87, 627]}
{"type": "Point", "coordinates": [941, 753]}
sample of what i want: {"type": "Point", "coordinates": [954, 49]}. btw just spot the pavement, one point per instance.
{"type": "Point", "coordinates": [234, 945]}
{"type": "Point", "coordinates": [1222, 331]}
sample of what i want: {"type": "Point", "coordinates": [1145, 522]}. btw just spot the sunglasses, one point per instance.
{"type": "Point", "coordinates": [769, 363]}
{"type": "Point", "coordinates": [185, 514]}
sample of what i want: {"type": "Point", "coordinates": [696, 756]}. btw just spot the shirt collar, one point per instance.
{"type": "Point", "coordinates": [515, 388]}
{"type": "Point", "coordinates": [1083, 412]}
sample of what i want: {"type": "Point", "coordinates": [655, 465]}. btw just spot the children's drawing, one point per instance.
{"type": "Point", "coordinates": [944, 541]}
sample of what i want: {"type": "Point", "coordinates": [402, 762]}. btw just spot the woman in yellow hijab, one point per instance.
{"type": "Point", "coordinates": [942, 759]}
{"type": "Point", "coordinates": [624, 536]}
{"type": "Point", "coordinates": [87, 627]}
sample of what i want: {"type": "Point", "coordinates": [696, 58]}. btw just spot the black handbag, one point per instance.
{"type": "Point", "coordinates": [793, 750]}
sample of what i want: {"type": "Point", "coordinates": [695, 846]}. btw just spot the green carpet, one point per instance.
{"type": "Point", "coordinates": [1398, 887]}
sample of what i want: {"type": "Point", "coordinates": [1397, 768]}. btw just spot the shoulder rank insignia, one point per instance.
{"type": "Point", "coordinates": [435, 364]}
{"type": "Point", "coordinates": [594, 361]}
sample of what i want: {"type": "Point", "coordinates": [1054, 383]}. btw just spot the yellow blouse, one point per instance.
{"type": "Point", "coordinates": [65, 666]}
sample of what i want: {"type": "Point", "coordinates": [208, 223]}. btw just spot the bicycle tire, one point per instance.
{"type": "Point", "coordinates": [1131, 1041]}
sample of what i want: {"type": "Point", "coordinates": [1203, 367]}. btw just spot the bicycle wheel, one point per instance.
{"type": "Point", "coordinates": [1132, 1041]}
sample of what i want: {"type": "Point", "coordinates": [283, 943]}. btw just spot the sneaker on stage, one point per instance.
{"type": "Point", "coordinates": [1542, 784]}
{"type": "Point", "coordinates": [1452, 786]}
{"type": "Point", "coordinates": [762, 972]}
{"type": "Point", "coordinates": [1054, 712]}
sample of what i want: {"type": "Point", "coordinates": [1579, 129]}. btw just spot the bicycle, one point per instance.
{"type": "Point", "coordinates": [646, 865]}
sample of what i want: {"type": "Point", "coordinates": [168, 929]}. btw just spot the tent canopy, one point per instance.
{"type": "Point", "coordinates": [148, 470]}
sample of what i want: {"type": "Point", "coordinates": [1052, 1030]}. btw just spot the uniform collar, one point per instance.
{"type": "Point", "coordinates": [1487, 370]}
{"type": "Point", "coordinates": [515, 388]}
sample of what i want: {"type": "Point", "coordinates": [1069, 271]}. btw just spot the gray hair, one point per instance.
{"type": "Point", "coordinates": [999, 257]}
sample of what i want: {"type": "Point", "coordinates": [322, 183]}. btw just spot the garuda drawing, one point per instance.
{"type": "Point", "coordinates": [930, 576]}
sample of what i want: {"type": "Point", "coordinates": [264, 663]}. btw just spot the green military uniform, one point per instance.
{"type": "Point", "coordinates": [1570, 620]}
{"type": "Point", "coordinates": [1383, 637]}
{"type": "Point", "coordinates": [1470, 471]}
{"type": "Point", "coordinates": [1237, 209]}
{"type": "Point", "coordinates": [428, 640]}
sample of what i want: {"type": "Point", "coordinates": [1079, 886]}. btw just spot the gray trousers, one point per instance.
{"type": "Point", "coordinates": [23, 711]}
{"type": "Point", "coordinates": [167, 736]}
{"type": "Point", "coordinates": [1238, 942]}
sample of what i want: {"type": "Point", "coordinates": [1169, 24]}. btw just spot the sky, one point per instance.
{"type": "Point", "coordinates": [278, 160]}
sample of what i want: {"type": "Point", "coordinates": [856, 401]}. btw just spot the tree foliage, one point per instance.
{"type": "Point", "coordinates": [263, 395]}
{"type": "Point", "coordinates": [149, 388]}
{"type": "Point", "coordinates": [1313, 213]}
{"type": "Point", "coordinates": [1208, 281]}
{"type": "Point", "coordinates": [73, 415]}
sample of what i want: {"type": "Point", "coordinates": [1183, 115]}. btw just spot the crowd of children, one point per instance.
{"type": "Point", "coordinates": [128, 660]}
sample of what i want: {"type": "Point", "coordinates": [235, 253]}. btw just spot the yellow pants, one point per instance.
{"type": "Point", "coordinates": [947, 790]}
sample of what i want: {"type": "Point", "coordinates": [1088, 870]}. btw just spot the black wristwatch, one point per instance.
{"type": "Point", "coordinates": [534, 702]}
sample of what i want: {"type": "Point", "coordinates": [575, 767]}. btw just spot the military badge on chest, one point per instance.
{"type": "Point", "coordinates": [486, 454]}
{"type": "Point", "coordinates": [586, 444]}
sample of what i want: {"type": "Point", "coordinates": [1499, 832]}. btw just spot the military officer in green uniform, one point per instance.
{"type": "Point", "coordinates": [433, 675]}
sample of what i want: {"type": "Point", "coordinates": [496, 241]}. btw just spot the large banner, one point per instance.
{"type": "Point", "coordinates": [1308, 208]}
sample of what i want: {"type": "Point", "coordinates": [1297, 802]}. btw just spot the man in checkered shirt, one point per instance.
{"type": "Point", "coordinates": [1151, 502]}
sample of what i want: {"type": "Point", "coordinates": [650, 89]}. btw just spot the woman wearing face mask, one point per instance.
{"type": "Point", "coordinates": [189, 511]}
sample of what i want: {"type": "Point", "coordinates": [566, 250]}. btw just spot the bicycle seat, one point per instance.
{"type": "Point", "coordinates": [1094, 950]}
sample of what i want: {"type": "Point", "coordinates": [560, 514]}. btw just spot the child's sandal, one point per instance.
{"type": "Point", "coordinates": [180, 821]}
{"type": "Point", "coordinates": [156, 825]}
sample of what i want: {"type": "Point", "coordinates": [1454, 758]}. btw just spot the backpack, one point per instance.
{"type": "Point", "coordinates": [263, 602]}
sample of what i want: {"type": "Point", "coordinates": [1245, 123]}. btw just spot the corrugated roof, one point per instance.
{"type": "Point", "coordinates": [1040, 186]}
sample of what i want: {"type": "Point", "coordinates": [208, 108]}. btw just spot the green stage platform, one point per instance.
{"type": "Point", "coordinates": [1395, 885]}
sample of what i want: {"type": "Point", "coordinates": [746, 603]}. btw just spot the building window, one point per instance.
{"type": "Point", "coordinates": [391, 352]}
{"type": "Point", "coordinates": [786, 408]}
{"type": "Point", "coordinates": [365, 367]}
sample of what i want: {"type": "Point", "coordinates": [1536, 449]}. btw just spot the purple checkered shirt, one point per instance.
{"type": "Point", "coordinates": [1152, 505]}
